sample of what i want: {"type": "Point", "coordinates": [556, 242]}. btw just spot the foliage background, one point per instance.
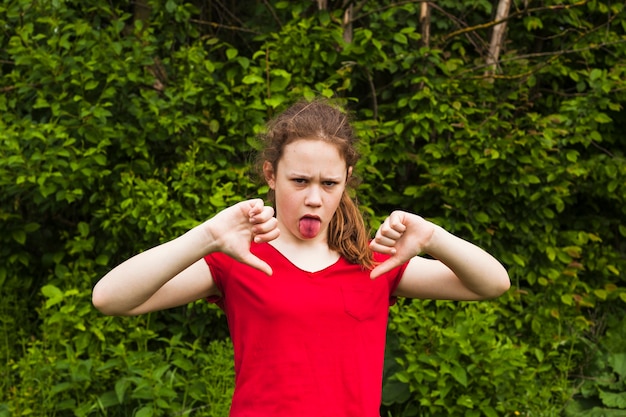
{"type": "Point", "coordinates": [122, 125]}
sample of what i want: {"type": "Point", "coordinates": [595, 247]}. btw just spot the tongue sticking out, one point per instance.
{"type": "Point", "coordinates": [309, 227]}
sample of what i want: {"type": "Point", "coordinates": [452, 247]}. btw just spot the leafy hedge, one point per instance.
{"type": "Point", "coordinates": [119, 132]}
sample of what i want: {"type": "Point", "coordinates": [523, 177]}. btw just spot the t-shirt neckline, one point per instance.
{"type": "Point", "coordinates": [318, 272]}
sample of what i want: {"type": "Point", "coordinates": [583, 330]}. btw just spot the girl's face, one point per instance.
{"type": "Point", "coordinates": [308, 182]}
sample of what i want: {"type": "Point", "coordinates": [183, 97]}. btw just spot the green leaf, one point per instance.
{"type": "Point", "coordinates": [518, 259]}
{"type": "Point", "coordinates": [120, 389]}
{"type": "Point", "coordinates": [400, 38]}
{"type": "Point", "coordinates": [252, 79]}
{"type": "Point", "coordinates": [231, 53]}
{"type": "Point", "coordinates": [618, 363]}
{"type": "Point", "coordinates": [53, 294]}
{"type": "Point", "coordinates": [31, 227]}
{"type": "Point", "coordinates": [613, 269]}
{"type": "Point", "coordinates": [90, 85]}
{"type": "Point", "coordinates": [83, 229]}
{"type": "Point", "coordinates": [531, 23]}
{"type": "Point", "coordinates": [489, 411]}
{"type": "Point", "coordinates": [60, 387]}
{"type": "Point", "coordinates": [144, 412]}
{"type": "Point", "coordinates": [600, 293]}
{"type": "Point", "coordinates": [482, 217]}
{"type": "Point", "coordinates": [595, 74]}
{"type": "Point", "coordinates": [539, 354]}
{"type": "Point", "coordinates": [459, 374]}
{"type": "Point", "coordinates": [465, 401]}
{"type": "Point", "coordinates": [170, 6]}
{"type": "Point", "coordinates": [567, 299]}
{"type": "Point", "coordinates": [19, 236]}
{"type": "Point", "coordinates": [602, 118]}
{"type": "Point", "coordinates": [613, 399]}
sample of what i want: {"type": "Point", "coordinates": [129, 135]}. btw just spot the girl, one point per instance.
{"type": "Point", "coordinates": [306, 293]}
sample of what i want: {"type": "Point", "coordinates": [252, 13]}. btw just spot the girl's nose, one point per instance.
{"type": "Point", "coordinates": [313, 196]}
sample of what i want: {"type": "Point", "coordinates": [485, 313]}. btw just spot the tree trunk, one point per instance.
{"type": "Point", "coordinates": [497, 37]}
{"type": "Point", "coordinates": [141, 12]}
{"type": "Point", "coordinates": [425, 22]}
{"type": "Point", "coordinates": [347, 23]}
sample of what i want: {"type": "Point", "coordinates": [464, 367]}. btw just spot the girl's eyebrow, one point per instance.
{"type": "Point", "coordinates": [296, 174]}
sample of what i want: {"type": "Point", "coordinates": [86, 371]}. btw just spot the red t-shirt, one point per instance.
{"type": "Point", "coordinates": [305, 343]}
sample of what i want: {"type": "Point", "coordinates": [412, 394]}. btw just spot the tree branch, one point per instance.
{"type": "Point", "coordinates": [274, 15]}
{"type": "Point", "coordinates": [553, 55]}
{"type": "Point", "coordinates": [509, 17]}
{"type": "Point", "coordinates": [221, 26]}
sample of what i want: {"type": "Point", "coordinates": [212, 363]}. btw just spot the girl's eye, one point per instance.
{"type": "Point", "coordinates": [330, 183]}
{"type": "Point", "coordinates": [299, 180]}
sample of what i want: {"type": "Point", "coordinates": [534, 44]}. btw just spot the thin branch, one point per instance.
{"type": "Point", "coordinates": [220, 26]}
{"type": "Point", "coordinates": [569, 95]}
{"type": "Point", "coordinates": [370, 80]}
{"type": "Point", "coordinates": [606, 151]}
{"type": "Point", "coordinates": [479, 43]}
{"type": "Point", "coordinates": [552, 56]}
{"type": "Point", "coordinates": [381, 9]}
{"type": "Point", "coordinates": [510, 17]}
{"type": "Point", "coordinates": [273, 12]}
{"type": "Point", "coordinates": [229, 12]}
{"type": "Point", "coordinates": [8, 88]}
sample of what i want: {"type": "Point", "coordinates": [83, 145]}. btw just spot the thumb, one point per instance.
{"type": "Point", "coordinates": [386, 266]}
{"type": "Point", "coordinates": [251, 260]}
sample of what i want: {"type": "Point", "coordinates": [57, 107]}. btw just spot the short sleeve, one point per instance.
{"type": "Point", "coordinates": [219, 264]}
{"type": "Point", "coordinates": [393, 277]}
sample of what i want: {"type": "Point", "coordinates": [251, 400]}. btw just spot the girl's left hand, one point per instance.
{"type": "Point", "coordinates": [402, 235]}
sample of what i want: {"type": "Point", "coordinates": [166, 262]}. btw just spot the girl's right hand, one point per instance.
{"type": "Point", "coordinates": [233, 229]}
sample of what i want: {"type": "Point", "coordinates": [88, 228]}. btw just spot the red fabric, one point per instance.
{"type": "Point", "coordinates": [305, 344]}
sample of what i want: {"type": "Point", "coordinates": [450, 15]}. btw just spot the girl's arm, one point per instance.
{"type": "Point", "coordinates": [460, 270]}
{"type": "Point", "coordinates": [175, 273]}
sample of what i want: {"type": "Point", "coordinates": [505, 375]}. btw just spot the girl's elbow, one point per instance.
{"type": "Point", "coordinates": [504, 287]}
{"type": "Point", "coordinates": [497, 284]}
{"type": "Point", "coordinates": [102, 302]}
{"type": "Point", "coordinates": [502, 284]}
{"type": "Point", "coordinates": [99, 302]}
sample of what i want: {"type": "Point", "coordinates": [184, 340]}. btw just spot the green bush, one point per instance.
{"type": "Point", "coordinates": [87, 364]}
{"type": "Point", "coordinates": [119, 131]}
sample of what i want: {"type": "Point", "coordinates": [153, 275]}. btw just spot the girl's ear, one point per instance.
{"type": "Point", "coordinates": [349, 174]}
{"type": "Point", "coordinates": [270, 176]}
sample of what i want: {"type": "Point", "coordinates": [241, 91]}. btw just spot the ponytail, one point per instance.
{"type": "Point", "coordinates": [347, 234]}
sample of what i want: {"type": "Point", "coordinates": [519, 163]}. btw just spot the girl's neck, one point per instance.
{"type": "Point", "coordinates": [307, 255]}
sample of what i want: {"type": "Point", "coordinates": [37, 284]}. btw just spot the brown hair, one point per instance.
{"type": "Point", "coordinates": [320, 120]}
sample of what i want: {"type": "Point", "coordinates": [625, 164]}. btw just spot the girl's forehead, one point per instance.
{"type": "Point", "coordinates": [312, 145]}
{"type": "Point", "coordinates": [312, 153]}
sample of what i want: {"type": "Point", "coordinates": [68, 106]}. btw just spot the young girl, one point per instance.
{"type": "Point", "coordinates": [306, 293]}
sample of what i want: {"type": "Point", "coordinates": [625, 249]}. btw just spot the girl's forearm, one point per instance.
{"type": "Point", "coordinates": [134, 281]}
{"type": "Point", "coordinates": [478, 270]}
